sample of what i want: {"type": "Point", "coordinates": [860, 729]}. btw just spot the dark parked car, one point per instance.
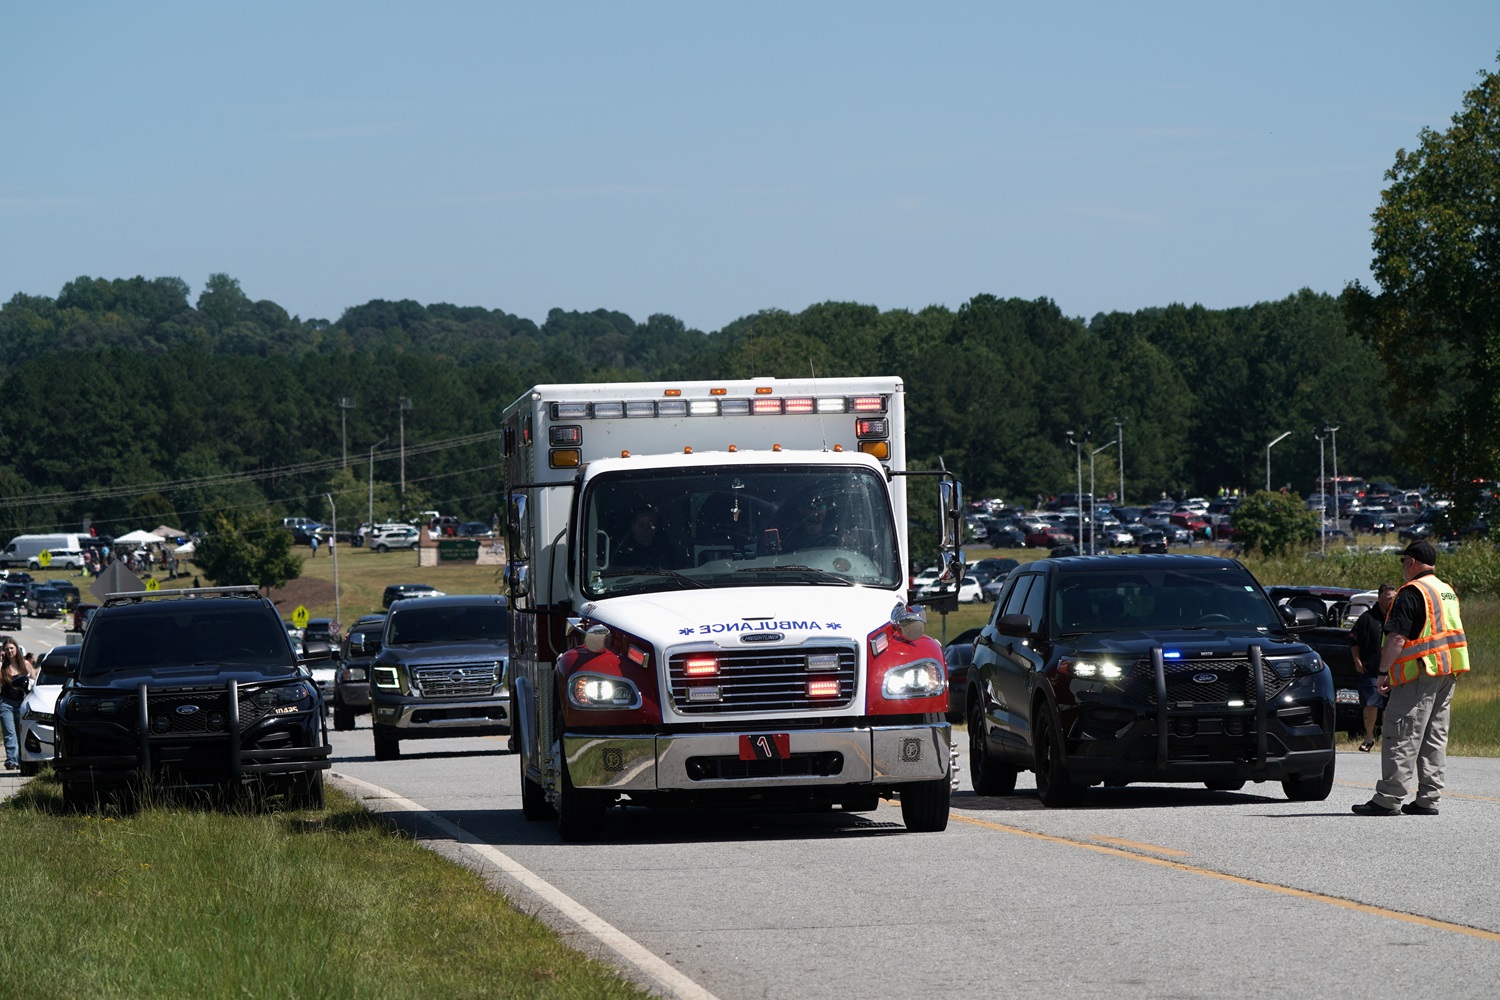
{"type": "Point", "coordinates": [957, 656]}
{"type": "Point", "coordinates": [351, 685]}
{"type": "Point", "coordinates": [400, 591]}
{"type": "Point", "coordinates": [15, 590]}
{"type": "Point", "coordinates": [44, 602]}
{"type": "Point", "coordinates": [1128, 668]}
{"type": "Point", "coordinates": [10, 617]}
{"type": "Point", "coordinates": [440, 671]}
{"type": "Point", "coordinates": [68, 590]}
{"type": "Point", "coordinates": [475, 529]}
{"type": "Point", "coordinates": [1334, 608]}
{"type": "Point", "coordinates": [1371, 521]}
{"type": "Point", "coordinates": [1152, 542]}
{"type": "Point", "coordinates": [194, 690]}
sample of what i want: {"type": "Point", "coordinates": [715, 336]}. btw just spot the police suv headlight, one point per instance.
{"type": "Point", "coordinates": [286, 696]}
{"type": "Point", "coordinates": [84, 707]}
{"type": "Point", "coordinates": [1090, 669]}
{"type": "Point", "coordinates": [919, 679]}
{"type": "Point", "coordinates": [598, 691]}
{"type": "Point", "coordinates": [1295, 666]}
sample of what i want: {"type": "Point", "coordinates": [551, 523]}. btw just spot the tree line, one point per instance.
{"type": "Point", "coordinates": [128, 403]}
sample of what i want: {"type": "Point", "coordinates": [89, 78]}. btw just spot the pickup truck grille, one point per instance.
{"type": "Point", "coordinates": [457, 680]}
{"type": "Point", "coordinates": [1187, 682]}
{"type": "Point", "coordinates": [762, 680]}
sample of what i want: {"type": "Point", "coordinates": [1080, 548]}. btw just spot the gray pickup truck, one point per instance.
{"type": "Point", "coordinates": [440, 671]}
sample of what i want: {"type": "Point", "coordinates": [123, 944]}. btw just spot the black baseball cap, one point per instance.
{"type": "Point", "coordinates": [1422, 552]}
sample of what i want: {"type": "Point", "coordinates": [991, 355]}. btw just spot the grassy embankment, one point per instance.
{"type": "Point", "coordinates": [181, 902]}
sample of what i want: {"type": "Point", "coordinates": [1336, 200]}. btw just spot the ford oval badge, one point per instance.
{"type": "Point", "coordinates": [187, 709]}
{"type": "Point", "coordinates": [1205, 678]}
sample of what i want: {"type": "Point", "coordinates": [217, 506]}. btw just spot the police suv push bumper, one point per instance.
{"type": "Point", "coordinates": [878, 755]}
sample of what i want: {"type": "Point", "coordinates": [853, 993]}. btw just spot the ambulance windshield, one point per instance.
{"type": "Point", "coordinates": [674, 529]}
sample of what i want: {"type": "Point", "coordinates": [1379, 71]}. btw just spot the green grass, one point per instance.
{"type": "Point", "coordinates": [173, 901]}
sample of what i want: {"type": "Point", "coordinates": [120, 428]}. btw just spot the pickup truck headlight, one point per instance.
{"type": "Point", "coordinates": [1295, 666]}
{"type": "Point", "coordinates": [918, 679]}
{"type": "Point", "coordinates": [386, 678]}
{"type": "Point", "coordinates": [600, 691]}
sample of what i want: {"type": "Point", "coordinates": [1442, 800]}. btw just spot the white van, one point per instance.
{"type": "Point", "coordinates": [23, 549]}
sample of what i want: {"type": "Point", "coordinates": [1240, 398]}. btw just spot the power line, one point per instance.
{"type": "Point", "coordinates": [229, 479]}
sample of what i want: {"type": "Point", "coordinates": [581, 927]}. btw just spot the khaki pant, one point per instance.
{"type": "Point", "coordinates": [1414, 741]}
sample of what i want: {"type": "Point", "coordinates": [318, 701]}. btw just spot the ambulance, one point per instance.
{"type": "Point", "coordinates": [708, 599]}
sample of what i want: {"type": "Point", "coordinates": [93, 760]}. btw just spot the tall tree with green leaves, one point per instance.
{"type": "Point", "coordinates": [245, 549]}
{"type": "Point", "coordinates": [1435, 320]}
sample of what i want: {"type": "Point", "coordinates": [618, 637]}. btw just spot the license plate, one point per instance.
{"type": "Point", "coordinates": [1345, 696]}
{"type": "Point", "coordinates": [767, 746]}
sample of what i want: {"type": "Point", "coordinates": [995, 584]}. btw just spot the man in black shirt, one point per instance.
{"type": "Point", "coordinates": [1366, 638]}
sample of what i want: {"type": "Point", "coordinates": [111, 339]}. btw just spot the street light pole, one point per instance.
{"type": "Point", "coordinates": [1268, 457]}
{"type": "Point", "coordinates": [333, 548]}
{"type": "Point", "coordinates": [1120, 441]}
{"type": "Point", "coordinates": [1078, 496]}
{"type": "Point", "coordinates": [1323, 500]}
{"type": "Point", "coordinates": [1094, 504]}
{"type": "Point", "coordinates": [377, 444]}
{"type": "Point", "coordinates": [403, 403]}
{"type": "Point", "coordinates": [1334, 433]}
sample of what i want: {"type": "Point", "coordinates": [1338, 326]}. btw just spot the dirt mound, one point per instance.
{"type": "Point", "coordinates": [306, 592]}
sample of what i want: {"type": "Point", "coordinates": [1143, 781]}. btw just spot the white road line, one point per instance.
{"type": "Point", "coordinates": [632, 951]}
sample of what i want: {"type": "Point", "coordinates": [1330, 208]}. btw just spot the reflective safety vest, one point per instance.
{"type": "Point", "coordinates": [1442, 647]}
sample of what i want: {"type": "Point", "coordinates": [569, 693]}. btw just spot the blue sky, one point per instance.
{"type": "Point", "coordinates": [712, 160]}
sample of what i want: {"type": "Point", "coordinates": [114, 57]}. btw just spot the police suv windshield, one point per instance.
{"type": "Point", "coordinates": [677, 529]}
{"type": "Point", "coordinates": [169, 634]}
{"type": "Point", "coordinates": [1178, 597]}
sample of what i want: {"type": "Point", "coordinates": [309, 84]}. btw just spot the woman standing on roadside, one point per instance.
{"type": "Point", "coordinates": [15, 674]}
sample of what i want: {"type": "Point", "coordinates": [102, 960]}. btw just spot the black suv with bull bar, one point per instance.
{"type": "Point", "coordinates": [196, 690]}
{"type": "Point", "coordinates": [1146, 668]}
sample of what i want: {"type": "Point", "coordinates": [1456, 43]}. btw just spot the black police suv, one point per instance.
{"type": "Point", "coordinates": [196, 690]}
{"type": "Point", "coordinates": [1146, 668]}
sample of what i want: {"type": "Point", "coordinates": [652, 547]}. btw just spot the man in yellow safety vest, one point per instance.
{"type": "Point", "coordinates": [1425, 650]}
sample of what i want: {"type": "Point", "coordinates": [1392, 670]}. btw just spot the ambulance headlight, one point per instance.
{"type": "Point", "coordinates": [920, 679]}
{"type": "Point", "coordinates": [598, 691]}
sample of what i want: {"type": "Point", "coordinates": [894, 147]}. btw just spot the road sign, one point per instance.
{"type": "Point", "coordinates": [44, 558]}
{"type": "Point", "coordinates": [151, 584]}
{"type": "Point", "coordinates": [300, 616]}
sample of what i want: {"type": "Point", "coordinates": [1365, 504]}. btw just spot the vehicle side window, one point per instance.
{"type": "Point", "coordinates": [1036, 604]}
{"type": "Point", "coordinates": [1010, 597]}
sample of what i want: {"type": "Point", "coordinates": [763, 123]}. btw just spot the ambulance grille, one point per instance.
{"type": "Point", "coordinates": [763, 680]}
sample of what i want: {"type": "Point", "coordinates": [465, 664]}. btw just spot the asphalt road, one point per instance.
{"type": "Point", "coordinates": [1146, 891]}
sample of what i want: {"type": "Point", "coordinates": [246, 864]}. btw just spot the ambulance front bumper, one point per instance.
{"type": "Point", "coordinates": [880, 756]}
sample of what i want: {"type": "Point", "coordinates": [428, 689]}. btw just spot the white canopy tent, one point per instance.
{"type": "Point", "coordinates": [138, 538]}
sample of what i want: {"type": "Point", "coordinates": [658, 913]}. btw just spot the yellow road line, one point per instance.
{"type": "Point", "coordinates": [1317, 897]}
{"type": "Point", "coordinates": [1141, 847]}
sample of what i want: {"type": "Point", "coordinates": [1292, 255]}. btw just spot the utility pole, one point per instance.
{"type": "Point", "coordinates": [403, 403]}
{"type": "Point", "coordinates": [377, 444]}
{"type": "Point", "coordinates": [345, 405]}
